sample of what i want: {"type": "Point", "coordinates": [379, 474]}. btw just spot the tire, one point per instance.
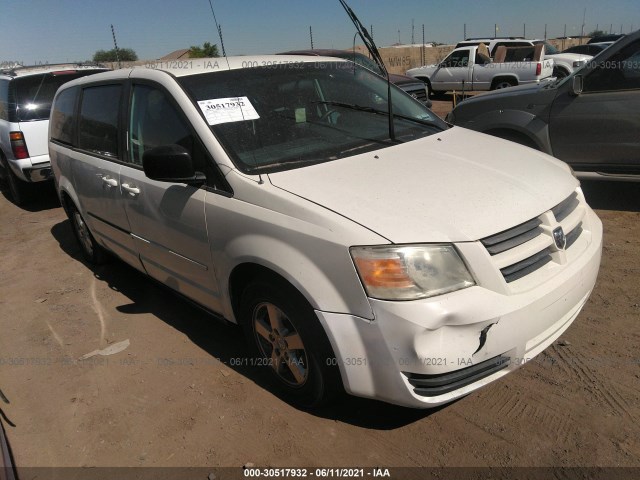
{"type": "Point", "coordinates": [91, 251]}
{"type": "Point", "coordinates": [502, 83]}
{"type": "Point", "coordinates": [428, 85]}
{"type": "Point", "coordinates": [559, 72]}
{"type": "Point", "coordinates": [288, 342]}
{"type": "Point", "coordinates": [18, 190]}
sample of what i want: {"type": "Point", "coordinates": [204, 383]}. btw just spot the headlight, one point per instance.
{"type": "Point", "coordinates": [409, 272]}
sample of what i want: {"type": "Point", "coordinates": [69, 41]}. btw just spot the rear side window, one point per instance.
{"type": "Point", "coordinates": [509, 44]}
{"type": "Point", "coordinates": [4, 99]}
{"type": "Point", "coordinates": [98, 123]}
{"type": "Point", "coordinates": [62, 116]}
{"type": "Point", "coordinates": [34, 93]}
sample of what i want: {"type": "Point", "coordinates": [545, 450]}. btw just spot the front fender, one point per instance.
{"type": "Point", "coordinates": [336, 287]}
{"type": "Point", "coordinates": [525, 123]}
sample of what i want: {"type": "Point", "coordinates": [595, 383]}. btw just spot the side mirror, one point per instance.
{"type": "Point", "coordinates": [577, 84]}
{"type": "Point", "coordinates": [170, 163]}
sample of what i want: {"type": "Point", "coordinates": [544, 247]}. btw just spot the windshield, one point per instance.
{"type": "Point", "coordinates": [290, 115]}
{"type": "Point", "coordinates": [363, 61]}
{"type": "Point", "coordinates": [34, 93]}
{"type": "Point", "coordinates": [581, 69]}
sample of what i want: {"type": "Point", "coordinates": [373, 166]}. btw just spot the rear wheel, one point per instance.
{"type": "Point", "coordinates": [503, 83]}
{"type": "Point", "coordinates": [91, 251]}
{"type": "Point", "coordinates": [559, 72]}
{"type": "Point", "coordinates": [18, 189]}
{"type": "Point", "coordinates": [288, 342]}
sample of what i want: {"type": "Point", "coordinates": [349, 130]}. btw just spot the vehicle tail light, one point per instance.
{"type": "Point", "coordinates": [63, 72]}
{"type": "Point", "coordinates": [538, 69]}
{"type": "Point", "coordinates": [18, 145]}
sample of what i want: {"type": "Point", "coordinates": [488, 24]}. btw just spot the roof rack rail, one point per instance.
{"type": "Point", "coordinates": [493, 38]}
{"type": "Point", "coordinates": [12, 70]}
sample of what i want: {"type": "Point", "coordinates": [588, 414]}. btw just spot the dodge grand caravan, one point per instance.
{"type": "Point", "coordinates": [393, 258]}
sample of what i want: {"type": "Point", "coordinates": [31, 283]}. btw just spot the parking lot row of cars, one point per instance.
{"type": "Point", "coordinates": [26, 95]}
{"type": "Point", "coordinates": [588, 119]}
{"type": "Point", "coordinates": [386, 255]}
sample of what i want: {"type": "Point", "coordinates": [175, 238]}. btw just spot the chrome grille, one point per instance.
{"type": "Point", "coordinates": [418, 92]}
{"type": "Point", "coordinates": [573, 235]}
{"type": "Point", "coordinates": [526, 266]}
{"type": "Point", "coordinates": [513, 237]}
{"type": "Point", "coordinates": [525, 248]}
{"type": "Point", "coordinates": [566, 207]}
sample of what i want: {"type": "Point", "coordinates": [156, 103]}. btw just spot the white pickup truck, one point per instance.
{"type": "Point", "coordinates": [469, 69]}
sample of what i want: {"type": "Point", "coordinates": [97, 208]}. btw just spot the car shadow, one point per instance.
{"type": "Point", "coordinates": [612, 195]}
{"type": "Point", "coordinates": [40, 197]}
{"type": "Point", "coordinates": [373, 414]}
{"type": "Point", "coordinates": [222, 340]}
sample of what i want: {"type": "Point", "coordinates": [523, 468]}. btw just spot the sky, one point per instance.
{"type": "Point", "coordinates": [45, 31]}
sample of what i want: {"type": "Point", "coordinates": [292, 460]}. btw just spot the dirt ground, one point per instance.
{"type": "Point", "coordinates": [174, 396]}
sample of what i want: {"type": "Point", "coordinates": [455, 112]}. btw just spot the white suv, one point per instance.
{"type": "Point", "coordinates": [26, 94]}
{"type": "Point", "coordinates": [400, 260]}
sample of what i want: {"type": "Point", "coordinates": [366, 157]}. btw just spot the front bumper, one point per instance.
{"type": "Point", "coordinates": [407, 354]}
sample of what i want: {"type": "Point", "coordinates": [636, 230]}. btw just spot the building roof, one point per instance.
{"type": "Point", "coordinates": [176, 55]}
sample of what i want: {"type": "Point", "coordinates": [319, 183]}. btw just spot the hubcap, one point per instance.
{"type": "Point", "coordinates": [280, 343]}
{"type": "Point", "coordinates": [83, 233]}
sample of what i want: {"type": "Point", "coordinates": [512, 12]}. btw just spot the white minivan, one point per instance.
{"type": "Point", "coordinates": [391, 257]}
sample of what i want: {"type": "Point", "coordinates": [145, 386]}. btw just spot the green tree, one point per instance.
{"type": "Point", "coordinates": [206, 51]}
{"type": "Point", "coordinates": [123, 54]}
{"type": "Point", "coordinates": [596, 33]}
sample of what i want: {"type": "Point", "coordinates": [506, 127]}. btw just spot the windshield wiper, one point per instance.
{"type": "Point", "coordinates": [373, 50]}
{"type": "Point", "coordinates": [361, 108]}
{"type": "Point", "coordinates": [310, 161]}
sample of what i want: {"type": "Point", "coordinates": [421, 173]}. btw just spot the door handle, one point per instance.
{"type": "Point", "coordinates": [109, 182]}
{"type": "Point", "coordinates": [131, 189]}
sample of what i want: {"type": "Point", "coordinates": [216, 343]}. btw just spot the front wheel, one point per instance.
{"type": "Point", "coordinates": [427, 84]}
{"type": "Point", "coordinates": [289, 343]}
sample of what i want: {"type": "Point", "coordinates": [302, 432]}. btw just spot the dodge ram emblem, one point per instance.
{"type": "Point", "coordinates": [560, 238]}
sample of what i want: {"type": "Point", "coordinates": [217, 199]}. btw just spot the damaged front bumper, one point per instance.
{"type": "Point", "coordinates": [429, 352]}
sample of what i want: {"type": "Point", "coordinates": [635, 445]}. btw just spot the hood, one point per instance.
{"type": "Point", "coordinates": [399, 80]}
{"type": "Point", "coordinates": [570, 57]}
{"type": "Point", "coordinates": [455, 186]}
{"type": "Point", "coordinates": [426, 69]}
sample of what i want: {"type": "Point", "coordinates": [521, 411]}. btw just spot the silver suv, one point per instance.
{"type": "Point", "coordinates": [26, 94]}
{"type": "Point", "coordinates": [389, 256]}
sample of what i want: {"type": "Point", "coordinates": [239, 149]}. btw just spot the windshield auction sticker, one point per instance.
{"type": "Point", "coordinates": [227, 110]}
